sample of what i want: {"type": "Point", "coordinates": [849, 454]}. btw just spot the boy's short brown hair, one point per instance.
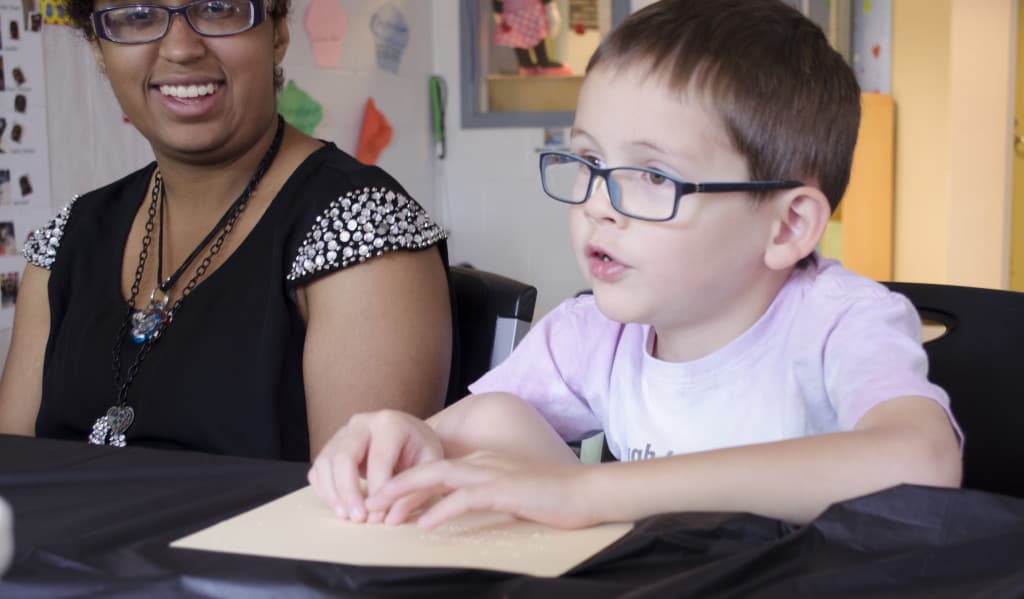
{"type": "Point", "coordinates": [789, 101]}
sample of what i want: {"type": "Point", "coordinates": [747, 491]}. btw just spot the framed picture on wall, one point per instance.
{"type": "Point", "coordinates": [523, 60]}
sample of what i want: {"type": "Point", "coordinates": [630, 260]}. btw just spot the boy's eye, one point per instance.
{"type": "Point", "coordinates": [656, 178]}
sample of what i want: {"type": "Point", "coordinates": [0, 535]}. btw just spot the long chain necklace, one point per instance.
{"type": "Point", "coordinates": [148, 324]}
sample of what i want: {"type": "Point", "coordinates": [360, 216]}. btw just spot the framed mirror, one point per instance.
{"type": "Point", "coordinates": [523, 60]}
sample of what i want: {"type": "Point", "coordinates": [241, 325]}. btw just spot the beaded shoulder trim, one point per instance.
{"type": "Point", "coordinates": [41, 247]}
{"type": "Point", "coordinates": [362, 224]}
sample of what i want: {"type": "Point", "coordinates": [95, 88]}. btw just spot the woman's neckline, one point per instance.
{"type": "Point", "coordinates": [275, 205]}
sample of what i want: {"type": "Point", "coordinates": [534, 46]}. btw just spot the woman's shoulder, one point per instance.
{"type": "Point", "coordinates": [41, 245]}
{"type": "Point", "coordinates": [335, 172]}
{"type": "Point", "coordinates": [351, 212]}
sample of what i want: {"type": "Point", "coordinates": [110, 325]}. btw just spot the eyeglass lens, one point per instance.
{"type": "Point", "coordinates": [633, 191]}
{"type": "Point", "coordinates": [139, 23]}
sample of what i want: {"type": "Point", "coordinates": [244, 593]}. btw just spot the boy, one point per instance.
{"type": "Point", "coordinates": [758, 376]}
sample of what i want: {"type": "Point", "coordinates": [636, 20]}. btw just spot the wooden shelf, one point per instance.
{"type": "Point", "coordinates": [533, 93]}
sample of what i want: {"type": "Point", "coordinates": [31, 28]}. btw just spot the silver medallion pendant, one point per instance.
{"type": "Point", "coordinates": [109, 429]}
{"type": "Point", "coordinates": [148, 323]}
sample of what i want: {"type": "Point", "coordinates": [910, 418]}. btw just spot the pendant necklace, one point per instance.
{"type": "Point", "coordinates": [147, 325]}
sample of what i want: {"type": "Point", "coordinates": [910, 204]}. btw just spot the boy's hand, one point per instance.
{"type": "Point", "coordinates": [485, 481]}
{"type": "Point", "coordinates": [377, 445]}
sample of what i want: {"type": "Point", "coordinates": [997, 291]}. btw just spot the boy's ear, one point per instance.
{"type": "Point", "coordinates": [801, 215]}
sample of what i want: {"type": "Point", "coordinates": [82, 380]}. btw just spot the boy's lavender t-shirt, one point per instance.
{"type": "Point", "coordinates": [831, 346]}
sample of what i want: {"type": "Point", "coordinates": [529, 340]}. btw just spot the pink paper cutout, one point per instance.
{"type": "Point", "coordinates": [326, 25]}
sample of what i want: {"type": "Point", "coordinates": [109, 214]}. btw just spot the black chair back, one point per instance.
{"type": "Point", "coordinates": [976, 362]}
{"type": "Point", "coordinates": [491, 314]}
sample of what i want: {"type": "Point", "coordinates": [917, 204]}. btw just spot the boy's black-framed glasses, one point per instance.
{"type": "Point", "coordinates": [635, 191]}
{"type": "Point", "coordinates": [143, 23]}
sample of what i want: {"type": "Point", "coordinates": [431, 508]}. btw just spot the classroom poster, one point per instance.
{"type": "Point", "coordinates": [24, 152]}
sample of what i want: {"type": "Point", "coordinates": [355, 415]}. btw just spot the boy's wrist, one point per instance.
{"type": "Point", "coordinates": [597, 484]}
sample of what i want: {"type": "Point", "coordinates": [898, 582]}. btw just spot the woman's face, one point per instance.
{"type": "Point", "coordinates": [195, 98]}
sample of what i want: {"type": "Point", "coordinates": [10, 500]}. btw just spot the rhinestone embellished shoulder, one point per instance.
{"type": "Point", "coordinates": [41, 247]}
{"type": "Point", "coordinates": [361, 224]}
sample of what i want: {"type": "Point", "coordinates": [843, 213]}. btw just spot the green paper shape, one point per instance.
{"type": "Point", "coordinates": [298, 108]}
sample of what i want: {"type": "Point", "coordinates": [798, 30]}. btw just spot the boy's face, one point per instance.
{"type": "Point", "coordinates": [703, 271]}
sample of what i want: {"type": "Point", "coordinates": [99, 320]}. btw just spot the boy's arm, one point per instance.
{"type": "Point", "coordinates": [904, 440]}
{"type": "Point", "coordinates": [500, 423]}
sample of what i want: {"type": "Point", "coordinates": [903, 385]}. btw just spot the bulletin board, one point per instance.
{"type": "Point", "coordinates": [24, 144]}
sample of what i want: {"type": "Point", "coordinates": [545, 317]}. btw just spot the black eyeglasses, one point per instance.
{"type": "Point", "coordinates": [143, 23]}
{"type": "Point", "coordinates": [638, 192]}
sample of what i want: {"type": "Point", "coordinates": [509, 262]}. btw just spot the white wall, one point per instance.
{"type": "Point", "coordinates": [489, 191]}
{"type": "Point", "coordinates": [401, 97]}
{"type": "Point", "coordinates": [90, 143]}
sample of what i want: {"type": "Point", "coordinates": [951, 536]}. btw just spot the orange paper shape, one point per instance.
{"type": "Point", "coordinates": [375, 135]}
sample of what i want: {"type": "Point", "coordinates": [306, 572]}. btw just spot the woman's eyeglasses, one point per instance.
{"type": "Point", "coordinates": [638, 192]}
{"type": "Point", "coordinates": [142, 23]}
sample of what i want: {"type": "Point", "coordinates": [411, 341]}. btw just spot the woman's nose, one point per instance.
{"type": "Point", "coordinates": [181, 43]}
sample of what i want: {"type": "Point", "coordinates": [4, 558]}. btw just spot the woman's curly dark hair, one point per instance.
{"type": "Point", "coordinates": [80, 14]}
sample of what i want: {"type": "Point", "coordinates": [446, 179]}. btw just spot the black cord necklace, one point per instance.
{"type": "Point", "coordinates": [148, 324]}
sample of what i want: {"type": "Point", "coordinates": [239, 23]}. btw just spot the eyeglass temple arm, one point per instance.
{"type": "Point", "coordinates": [742, 186]}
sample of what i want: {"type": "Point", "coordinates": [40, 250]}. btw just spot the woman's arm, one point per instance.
{"type": "Point", "coordinates": [378, 336]}
{"type": "Point", "coordinates": [21, 387]}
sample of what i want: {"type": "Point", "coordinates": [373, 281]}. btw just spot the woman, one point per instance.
{"type": "Point", "coordinates": [246, 292]}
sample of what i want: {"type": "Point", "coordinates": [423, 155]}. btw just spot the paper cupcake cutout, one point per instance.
{"type": "Point", "coordinates": [326, 25]}
{"type": "Point", "coordinates": [391, 32]}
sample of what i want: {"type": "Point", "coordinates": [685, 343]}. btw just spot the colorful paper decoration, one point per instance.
{"type": "Point", "coordinates": [326, 25]}
{"type": "Point", "coordinates": [298, 108]}
{"type": "Point", "coordinates": [374, 136]}
{"type": "Point", "coordinates": [54, 12]}
{"type": "Point", "coordinates": [391, 32]}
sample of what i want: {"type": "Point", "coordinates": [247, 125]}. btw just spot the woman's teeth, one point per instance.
{"type": "Point", "coordinates": [188, 91]}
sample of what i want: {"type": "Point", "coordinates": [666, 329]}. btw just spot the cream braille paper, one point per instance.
{"type": "Point", "coordinates": [299, 526]}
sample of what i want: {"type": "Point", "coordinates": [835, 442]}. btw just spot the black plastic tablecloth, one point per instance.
{"type": "Point", "coordinates": [97, 521]}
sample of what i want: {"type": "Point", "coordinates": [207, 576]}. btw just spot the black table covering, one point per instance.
{"type": "Point", "coordinates": [97, 521]}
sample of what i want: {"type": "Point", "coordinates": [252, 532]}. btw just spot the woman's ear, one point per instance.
{"type": "Point", "coordinates": [800, 220]}
{"type": "Point", "coordinates": [97, 55]}
{"type": "Point", "coordinates": [281, 38]}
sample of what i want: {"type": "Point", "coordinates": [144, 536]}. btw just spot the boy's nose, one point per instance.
{"type": "Point", "coordinates": [599, 205]}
